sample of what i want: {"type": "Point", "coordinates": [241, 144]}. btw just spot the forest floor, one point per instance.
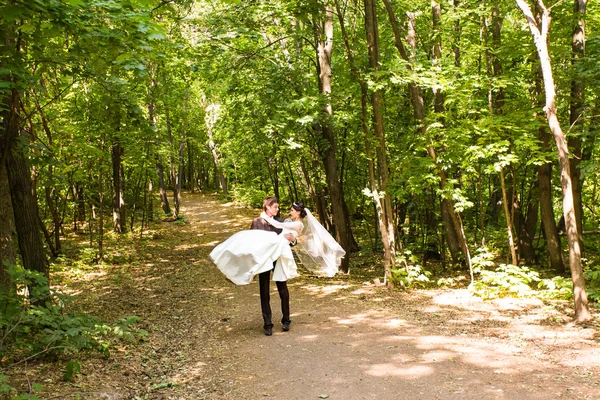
{"type": "Point", "coordinates": [349, 339]}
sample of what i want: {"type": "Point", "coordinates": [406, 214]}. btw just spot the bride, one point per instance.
{"type": "Point", "coordinates": [250, 252]}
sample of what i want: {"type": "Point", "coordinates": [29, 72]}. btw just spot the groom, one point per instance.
{"type": "Point", "coordinates": [271, 208]}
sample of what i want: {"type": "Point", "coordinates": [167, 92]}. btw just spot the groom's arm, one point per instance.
{"type": "Point", "coordinates": [290, 238]}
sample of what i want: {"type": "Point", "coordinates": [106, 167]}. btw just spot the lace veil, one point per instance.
{"type": "Point", "coordinates": [317, 249]}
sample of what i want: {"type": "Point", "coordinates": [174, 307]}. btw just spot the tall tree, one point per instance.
{"type": "Point", "coordinates": [388, 246]}
{"type": "Point", "coordinates": [540, 35]}
{"type": "Point", "coordinates": [576, 110]}
{"type": "Point", "coordinates": [14, 148]}
{"type": "Point", "coordinates": [323, 35]}
{"type": "Point", "coordinates": [377, 107]}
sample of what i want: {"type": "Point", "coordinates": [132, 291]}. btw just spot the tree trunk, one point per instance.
{"type": "Point", "coordinates": [540, 32]}
{"type": "Point", "coordinates": [160, 170]}
{"type": "Point", "coordinates": [173, 171]}
{"type": "Point", "coordinates": [316, 194]}
{"type": "Point", "coordinates": [452, 226]}
{"type": "Point", "coordinates": [178, 177]}
{"type": "Point", "coordinates": [436, 14]}
{"type": "Point", "coordinates": [382, 196]}
{"type": "Point", "coordinates": [328, 147]}
{"type": "Point", "coordinates": [576, 111]}
{"type": "Point", "coordinates": [547, 213]}
{"type": "Point", "coordinates": [13, 146]}
{"type": "Point", "coordinates": [24, 203]}
{"type": "Point", "coordinates": [7, 231]}
{"type": "Point", "coordinates": [457, 34]}
{"type": "Point", "coordinates": [52, 199]}
{"type": "Point", "coordinates": [118, 188]}
{"type": "Point", "coordinates": [544, 180]}
{"type": "Point", "coordinates": [210, 119]}
{"type": "Point", "coordinates": [507, 213]}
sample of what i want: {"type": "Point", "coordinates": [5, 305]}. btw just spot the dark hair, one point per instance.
{"type": "Point", "coordinates": [299, 207]}
{"type": "Point", "coordinates": [269, 201]}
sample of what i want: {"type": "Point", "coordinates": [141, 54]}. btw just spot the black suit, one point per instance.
{"type": "Point", "coordinates": [264, 283]}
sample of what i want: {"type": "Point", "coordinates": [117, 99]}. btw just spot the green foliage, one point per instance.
{"type": "Point", "coordinates": [72, 368]}
{"type": "Point", "coordinates": [249, 195]}
{"type": "Point", "coordinates": [412, 274]}
{"type": "Point", "coordinates": [9, 392]}
{"type": "Point", "coordinates": [557, 288]}
{"type": "Point", "coordinates": [506, 280]}
{"type": "Point", "coordinates": [482, 258]}
{"type": "Point", "coordinates": [32, 325]}
{"type": "Point", "coordinates": [592, 278]}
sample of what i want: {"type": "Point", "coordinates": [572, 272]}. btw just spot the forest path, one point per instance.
{"type": "Point", "coordinates": [348, 340]}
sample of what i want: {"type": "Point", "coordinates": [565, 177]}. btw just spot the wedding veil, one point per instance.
{"type": "Point", "coordinates": [317, 249]}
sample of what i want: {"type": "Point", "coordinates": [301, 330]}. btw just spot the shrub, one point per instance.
{"type": "Point", "coordinates": [506, 280]}
{"type": "Point", "coordinates": [35, 324]}
{"type": "Point", "coordinates": [411, 274]}
{"type": "Point", "coordinates": [592, 278]}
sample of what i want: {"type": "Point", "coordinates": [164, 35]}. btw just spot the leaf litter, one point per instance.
{"type": "Point", "coordinates": [349, 339]}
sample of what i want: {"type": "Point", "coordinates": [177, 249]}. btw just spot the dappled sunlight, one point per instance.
{"type": "Point", "coordinates": [310, 338]}
{"type": "Point", "coordinates": [183, 247]}
{"type": "Point", "coordinates": [321, 291]}
{"type": "Point", "coordinates": [205, 332]}
{"type": "Point", "coordinates": [407, 372]}
{"type": "Point", "coordinates": [394, 323]}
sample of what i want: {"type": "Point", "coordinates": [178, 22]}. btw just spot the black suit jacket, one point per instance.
{"type": "Point", "coordinates": [259, 223]}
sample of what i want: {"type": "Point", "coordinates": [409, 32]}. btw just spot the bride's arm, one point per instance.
{"type": "Point", "coordinates": [282, 225]}
{"type": "Point", "coordinates": [272, 221]}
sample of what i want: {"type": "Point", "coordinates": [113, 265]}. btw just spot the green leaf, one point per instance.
{"type": "Point", "coordinates": [73, 367]}
{"type": "Point", "coordinates": [37, 387]}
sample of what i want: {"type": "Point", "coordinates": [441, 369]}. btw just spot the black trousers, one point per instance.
{"type": "Point", "coordinates": [264, 280]}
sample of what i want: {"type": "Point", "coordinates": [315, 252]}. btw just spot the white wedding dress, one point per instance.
{"type": "Point", "coordinates": [251, 252]}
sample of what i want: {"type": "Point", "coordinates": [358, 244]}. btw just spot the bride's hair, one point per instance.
{"type": "Point", "coordinates": [300, 207]}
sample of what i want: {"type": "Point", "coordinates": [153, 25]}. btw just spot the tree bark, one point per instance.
{"type": "Point", "coordinates": [452, 226]}
{"type": "Point", "coordinates": [24, 203]}
{"type": "Point", "coordinates": [178, 177]}
{"type": "Point", "coordinates": [382, 196]}
{"type": "Point", "coordinates": [160, 170]}
{"type": "Point", "coordinates": [540, 32]}
{"type": "Point", "coordinates": [547, 211]}
{"type": "Point", "coordinates": [577, 103]}
{"type": "Point", "coordinates": [323, 32]}
{"type": "Point", "coordinates": [544, 179]}
{"type": "Point", "coordinates": [388, 246]}
{"type": "Point", "coordinates": [118, 206]}
{"type": "Point", "coordinates": [7, 232]}
{"type": "Point", "coordinates": [13, 148]}
{"type": "Point", "coordinates": [210, 119]}
{"type": "Point", "coordinates": [506, 204]}
{"type": "Point", "coordinates": [436, 14]}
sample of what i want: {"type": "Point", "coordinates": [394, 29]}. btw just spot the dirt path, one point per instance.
{"type": "Point", "coordinates": [348, 340]}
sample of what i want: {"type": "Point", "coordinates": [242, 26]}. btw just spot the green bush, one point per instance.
{"type": "Point", "coordinates": [35, 324]}
{"type": "Point", "coordinates": [592, 278]}
{"type": "Point", "coordinates": [249, 195]}
{"type": "Point", "coordinates": [506, 280]}
{"type": "Point", "coordinates": [9, 392]}
{"type": "Point", "coordinates": [411, 274]}
{"type": "Point", "coordinates": [557, 288]}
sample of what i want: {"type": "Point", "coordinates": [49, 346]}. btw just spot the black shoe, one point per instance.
{"type": "Point", "coordinates": [285, 327]}
{"type": "Point", "coordinates": [268, 331]}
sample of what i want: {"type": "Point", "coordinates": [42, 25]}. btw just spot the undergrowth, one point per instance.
{"type": "Point", "coordinates": [34, 325]}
